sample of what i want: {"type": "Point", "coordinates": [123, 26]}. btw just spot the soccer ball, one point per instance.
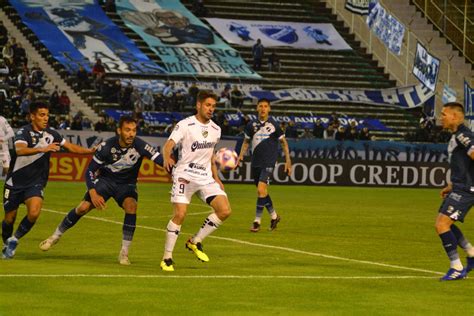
{"type": "Point", "coordinates": [226, 159]}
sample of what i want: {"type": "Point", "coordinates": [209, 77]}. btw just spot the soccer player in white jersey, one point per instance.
{"type": "Point", "coordinates": [194, 171]}
{"type": "Point", "coordinates": [6, 132]}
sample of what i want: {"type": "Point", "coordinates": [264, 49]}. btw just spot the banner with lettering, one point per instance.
{"type": "Point", "coordinates": [184, 44]}
{"type": "Point", "coordinates": [386, 27]}
{"type": "Point", "coordinates": [405, 97]}
{"type": "Point", "coordinates": [276, 33]}
{"type": "Point", "coordinates": [426, 67]}
{"type": "Point", "coordinates": [77, 33]}
{"type": "Point", "coordinates": [361, 7]}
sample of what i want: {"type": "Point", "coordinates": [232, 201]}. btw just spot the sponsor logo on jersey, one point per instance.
{"type": "Point", "coordinates": [202, 145]}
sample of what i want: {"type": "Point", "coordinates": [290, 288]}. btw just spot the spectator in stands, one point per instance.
{"type": "Point", "coordinates": [19, 55]}
{"type": "Point", "coordinates": [351, 134]}
{"type": "Point", "coordinates": [111, 124]}
{"type": "Point", "coordinates": [37, 77]}
{"type": "Point", "coordinates": [3, 34]}
{"type": "Point", "coordinates": [225, 96]}
{"type": "Point", "coordinates": [7, 54]}
{"type": "Point", "coordinates": [136, 99]}
{"type": "Point", "coordinates": [340, 133]}
{"type": "Point", "coordinates": [100, 126]}
{"type": "Point", "coordinates": [148, 99]}
{"type": "Point", "coordinates": [291, 130]}
{"type": "Point", "coordinates": [4, 70]}
{"type": "Point", "coordinates": [54, 101]}
{"type": "Point", "coordinates": [170, 127]}
{"type": "Point", "coordinates": [236, 98]}
{"type": "Point", "coordinates": [330, 132]}
{"type": "Point", "coordinates": [226, 129]}
{"type": "Point", "coordinates": [25, 104]}
{"type": "Point", "coordinates": [126, 98]}
{"type": "Point", "coordinates": [192, 94]}
{"type": "Point", "coordinates": [219, 118]}
{"type": "Point", "coordinates": [179, 101]}
{"type": "Point", "coordinates": [318, 129]}
{"type": "Point", "coordinates": [258, 52]}
{"type": "Point", "coordinates": [17, 122]}
{"type": "Point", "coordinates": [82, 79]}
{"type": "Point", "coordinates": [98, 69]}
{"type": "Point", "coordinates": [54, 121]}
{"type": "Point", "coordinates": [307, 134]}
{"type": "Point", "coordinates": [64, 123]}
{"type": "Point", "coordinates": [76, 124]}
{"type": "Point", "coordinates": [334, 119]}
{"type": "Point", "coordinates": [159, 103]}
{"type": "Point", "coordinates": [274, 62]}
{"type": "Point", "coordinates": [364, 134]}
{"type": "Point", "coordinates": [64, 103]}
{"type": "Point", "coordinates": [109, 6]}
{"type": "Point", "coordinates": [86, 123]}
{"type": "Point", "coordinates": [198, 8]}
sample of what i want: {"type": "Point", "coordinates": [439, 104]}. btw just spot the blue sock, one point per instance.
{"type": "Point", "coordinates": [269, 204]}
{"type": "Point", "coordinates": [69, 220]}
{"type": "Point", "coordinates": [7, 231]}
{"type": "Point", "coordinates": [462, 241]}
{"type": "Point", "coordinates": [259, 208]}
{"type": "Point", "coordinates": [129, 225]}
{"type": "Point", "coordinates": [450, 245]}
{"type": "Point", "coordinates": [24, 227]}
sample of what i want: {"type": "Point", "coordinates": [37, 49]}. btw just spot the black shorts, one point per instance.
{"type": "Point", "coordinates": [12, 198]}
{"type": "Point", "coordinates": [457, 204]}
{"type": "Point", "coordinates": [119, 192]}
{"type": "Point", "coordinates": [262, 174]}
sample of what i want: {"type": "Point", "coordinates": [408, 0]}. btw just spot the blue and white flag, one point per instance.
{"type": "Point", "coordinates": [405, 97]}
{"type": "Point", "coordinates": [361, 7]}
{"type": "Point", "coordinates": [468, 100]}
{"type": "Point", "coordinates": [274, 34]}
{"type": "Point", "coordinates": [185, 44]}
{"type": "Point", "coordinates": [78, 32]}
{"type": "Point", "coordinates": [449, 95]}
{"type": "Point", "coordinates": [387, 28]}
{"type": "Point", "coordinates": [426, 67]}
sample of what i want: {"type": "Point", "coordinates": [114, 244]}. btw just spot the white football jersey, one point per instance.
{"type": "Point", "coordinates": [196, 142]}
{"type": "Point", "coordinates": [6, 132]}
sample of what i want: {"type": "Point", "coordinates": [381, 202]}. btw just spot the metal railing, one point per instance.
{"type": "Point", "coordinates": [454, 19]}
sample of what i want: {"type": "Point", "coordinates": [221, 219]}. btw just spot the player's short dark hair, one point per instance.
{"type": "Point", "coordinates": [263, 100]}
{"type": "Point", "coordinates": [35, 106]}
{"type": "Point", "coordinates": [126, 119]}
{"type": "Point", "coordinates": [454, 106]}
{"type": "Point", "coordinates": [204, 94]}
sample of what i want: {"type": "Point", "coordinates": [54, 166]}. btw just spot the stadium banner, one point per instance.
{"type": "Point", "coordinates": [368, 150]}
{"type": "Point", "coordinates": [351, 173]}
{"type": "Point", "coordinates": [386, 27]}
{"type": "Point", "coordinates": [157, 86]}
{"type": "Point", "coordinates": [185, 44]}
{"type": "Point", "coordinates": [449, 95]}
{"type": "Point", "coordinates": [72, 167]}
{"type": "Point", "coordinates": [361, 7]}
{"type": "Point", "coordinates": [78, 32]}
{"type": "Point", "coordinates": [275, 34]}
{"type": "Point", "coordinates": [405, 97]}
{"type": "Point", "coordinates": [426, 67]}
{"type": "Point", "coordinates": [468, 99]}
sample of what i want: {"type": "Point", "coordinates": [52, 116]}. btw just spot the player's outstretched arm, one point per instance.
{"type": "Point", "coordinates": [22, 149]}
{"type": "Point", "coordinates": [286, 151]}
{"type": "Point", "coordinates": [243, 150]}
{"type": "Point", "coordinates": [73, 148]}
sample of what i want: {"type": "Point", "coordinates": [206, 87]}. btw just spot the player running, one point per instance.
{"type": "Point", "coordinates": [194, 172]}
{"type": "Point", "coordinates": [112, 173]}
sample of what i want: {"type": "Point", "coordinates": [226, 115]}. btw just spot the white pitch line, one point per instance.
{"type": "Point", "coordinates": [243, 242]}
{"type": "Point", "coordinates": [171, 215]}
{"type": "Point", "coordinates": [153, 276]}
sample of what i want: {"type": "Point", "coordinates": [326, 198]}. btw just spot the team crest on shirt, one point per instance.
{"type": "Point", "coordinates": [204, 133]}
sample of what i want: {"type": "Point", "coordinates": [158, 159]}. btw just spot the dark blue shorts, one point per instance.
{"type": "Point", "coordinates": [457, 204]}
{"type": "Point", "coordinates": [12, 198]}
{"type": "Point", "coordinates": [262, 174]}
{"type": "Point", "coordinates": [119, 192]}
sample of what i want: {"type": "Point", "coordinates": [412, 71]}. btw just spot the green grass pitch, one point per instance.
{"type": "Point", "coordinates": [337, 251]}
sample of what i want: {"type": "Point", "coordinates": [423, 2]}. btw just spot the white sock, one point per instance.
{"type": "Point", "coordinates": [258, 220]}
{"type": "Point", "coordinates": [57, 233]}
{"type": "Point", "coordinates": [274, 215]}
{"type": "Point", "coordinates": [469, 250]}
{"type": "Point", "coordinates": [211, 223]}
{"type": "Point", "coordinates": [172, 232]}
{"type": "Point", "coordinates": [456, 264]}
{"type": "Point", "coordinates": [125, 245]}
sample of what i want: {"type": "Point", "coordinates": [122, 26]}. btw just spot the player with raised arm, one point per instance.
{"type": "Point", "coordinates": [28, 174]}
{"type": "Point", "coordinates": [194, 171]}
{"type": "Point", "coordinates": [458, 195]}
{"type": "Point", "coordinates": [6, 132]}
{"type": "Point", "coordinates": [113, 172]}
{"type": "Point", "coordinates": [264, 133]}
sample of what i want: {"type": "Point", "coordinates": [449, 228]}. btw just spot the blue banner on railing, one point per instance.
{"type": "Point", "coordinates": [277, 34]}
{"type": "Point", "coordinates": [468, 99]}
{"type": "Point", "coordinates": [426, 67]}
{"type": "Point", "coordinates": [181, 40]}
{"type": "Point", "coordinates": [387, 28]}
{"type": "Point", "coordinates": [77, 33]}
{"type": "Point", "coordinates": [406, 97]}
